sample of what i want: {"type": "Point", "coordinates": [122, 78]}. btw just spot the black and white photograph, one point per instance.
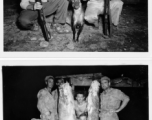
{"type": "Point", "coordinates": [75, 26]}
{"type": "Point", "coordinates": [75, 92]}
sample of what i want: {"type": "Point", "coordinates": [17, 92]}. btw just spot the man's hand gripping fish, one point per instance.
{"type": "Point", "coordinates": [93, 101]}
{"type": "Point", "coordinates": [66, 103]}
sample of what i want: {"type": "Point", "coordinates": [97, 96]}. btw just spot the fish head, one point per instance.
{"type": "Point", "coordinates": [66, 92]}
{"type": "Point", "coordinates": [94, 88]}
{"type": "Point", "coordinates": [76, 4]}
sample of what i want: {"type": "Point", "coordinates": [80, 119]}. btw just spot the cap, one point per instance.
{"type": "Point", "coordinates": [48, 77]}
{"type": "Point", "coordinates": [105, 78]}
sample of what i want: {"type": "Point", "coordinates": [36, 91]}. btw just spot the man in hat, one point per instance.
{"type": "Point", "coordinates": [47, 100]}
{"type": "Point", "coordinates": [111, 100]}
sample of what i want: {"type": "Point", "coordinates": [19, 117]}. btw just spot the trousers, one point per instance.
{"type": "Point", "coordinates": [59, 7]}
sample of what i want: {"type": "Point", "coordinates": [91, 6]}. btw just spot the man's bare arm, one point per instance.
{"type": "Point", "coordinates": [124, 103]}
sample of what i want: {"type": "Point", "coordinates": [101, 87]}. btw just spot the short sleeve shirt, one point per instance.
{"type": "Point", "coordinates": [111, 100]}
{"type": "Point", "coordinates": [46, 101]}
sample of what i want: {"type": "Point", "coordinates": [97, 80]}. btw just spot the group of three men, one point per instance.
{"type": "Point", "coordinates": [112, 100]}
{"type": "Point", "coordinates": [59, 8]}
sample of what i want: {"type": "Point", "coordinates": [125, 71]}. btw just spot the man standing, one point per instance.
{"type": "Point", "coordinates": [111, 101]}
{"type": "Point", "coordinates": [47, 100]}
{"type": "Point", "coordinates": [59, 82]}
{"type": "Point", "coordinates": [30, 14]}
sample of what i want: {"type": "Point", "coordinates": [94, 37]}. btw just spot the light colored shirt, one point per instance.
{"type": "Point", "coordinates": [111, 101]}
{"type": "Point", "coordinates": [47, 103]}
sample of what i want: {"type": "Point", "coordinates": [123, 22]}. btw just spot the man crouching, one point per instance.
{"type": "Point", "coordinates": [30, 14]}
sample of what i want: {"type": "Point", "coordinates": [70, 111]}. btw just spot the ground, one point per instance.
{"type": "Point", "coordinates": [131, 35]}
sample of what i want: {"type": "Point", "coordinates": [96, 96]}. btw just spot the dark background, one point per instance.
{"type": "Point", "coordinates": [16, 3]}
{"type": "Point", "coordinates": [21, 85]}
{"type": "Point", "coordinates": [125, 1]}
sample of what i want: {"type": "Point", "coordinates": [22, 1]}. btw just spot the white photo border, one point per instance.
{"type": "Point", "coordinates": [75, 62]}
{"type": "Point", "coordinates": [48, 54]}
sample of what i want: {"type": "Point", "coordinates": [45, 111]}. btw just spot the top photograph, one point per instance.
{"type": "Point", "coordinates": [75, 26]}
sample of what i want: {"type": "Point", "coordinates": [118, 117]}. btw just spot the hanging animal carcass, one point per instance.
{"type": "Point", "coordinates": [79, 7]}
{"type": "Point", "coordinates": [66, 103]}
{"type": "Point", "coordinates": [93, 101]}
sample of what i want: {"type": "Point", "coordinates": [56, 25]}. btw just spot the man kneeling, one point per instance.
{"type": "Point", "coordinates": [30, 14]}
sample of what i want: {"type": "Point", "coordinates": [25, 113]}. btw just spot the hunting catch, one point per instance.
{"type": "Point", "coordinates": [66, 103]}
{"type": "Point", "coordinates": [93, 101]}
{"type": "Point", "coordinates": [77, 22]}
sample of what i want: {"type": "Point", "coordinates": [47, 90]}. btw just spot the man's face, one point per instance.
{"type": "Point", "coordinates": [50, 83]}
{"type": "Point", "coordinates": [105, 84]}
{"type": "Point", "coordinates": [80, 97]}
{"type": "Point", "coordinates": [60, 82]}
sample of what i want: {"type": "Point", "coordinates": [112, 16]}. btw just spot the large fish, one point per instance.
{"type": "Point", "coordinates": [93, 101]}
{"type": "Point", "coordinates": [66, 103]}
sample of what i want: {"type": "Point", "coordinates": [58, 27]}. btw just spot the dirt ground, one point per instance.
{"type": "Point", "coordinates": [131, 35]}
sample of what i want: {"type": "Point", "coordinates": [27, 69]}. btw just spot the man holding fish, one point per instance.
{"type": "Point", "coordinates": [47, 100]}
{"type": "Point", "coordinates": [112, 101]}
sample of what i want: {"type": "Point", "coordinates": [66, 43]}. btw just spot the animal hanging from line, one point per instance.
{"type": "Point", "coordinates": [77, 21]}
{"type": "Point", "coordinates": [93, 101]}
{"type": "Point", "coordinates": [66, 103]}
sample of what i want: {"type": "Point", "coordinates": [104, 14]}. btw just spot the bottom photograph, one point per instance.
{"type": "Point", "coordinates": [101, 92]}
